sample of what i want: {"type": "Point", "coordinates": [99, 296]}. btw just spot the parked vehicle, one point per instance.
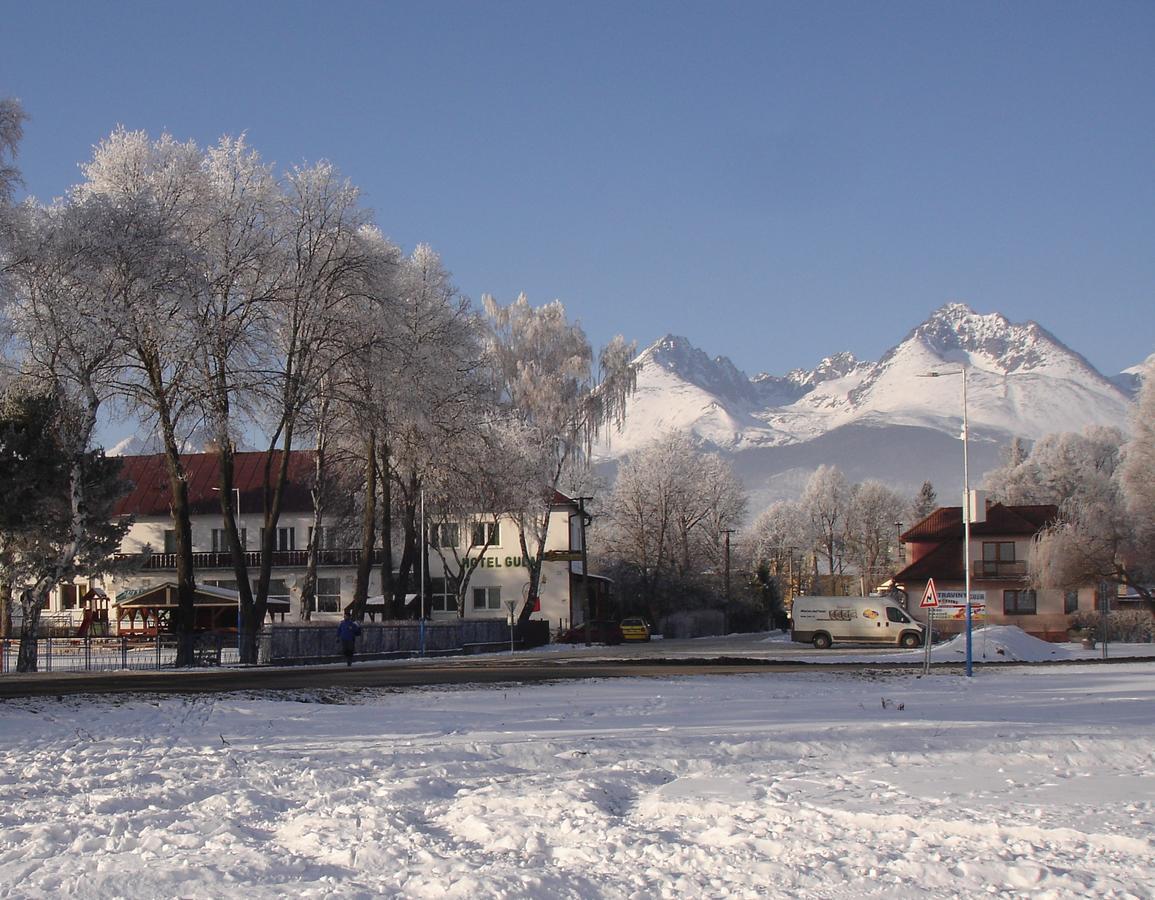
{"type": "Point", "coordinates": [599, 632]}
{"type": "Point", "coordinates": [635, 628]}
{"type": "Point", "coordinates": [861, 620]}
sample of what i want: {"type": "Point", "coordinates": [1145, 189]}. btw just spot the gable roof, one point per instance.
{"type": "Point", "coordinates": [151, 496]}
{"type": "Point", "coordinates": [944, 562]}
{"type": "Point", "coordinates": [946, 523]}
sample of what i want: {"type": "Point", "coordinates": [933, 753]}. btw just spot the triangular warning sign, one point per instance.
{"type": "Point", "coordinates": [930, 595]}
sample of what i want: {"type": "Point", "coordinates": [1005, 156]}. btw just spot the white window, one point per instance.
{"type": "Point", "coordinates": [445, 534]}
{"type": "Point", "coordinates": [486, 533]}
{"type": "Point", "coordinates": [221, 540]}
{"type": "Point", "coordinates": [286, 539]}
{"type": "Point", "coordinates": [487, 598]}
{"type": "Point", "coordinates": [328, 595]}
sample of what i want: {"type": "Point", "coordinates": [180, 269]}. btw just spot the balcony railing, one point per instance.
{"type": "Point", "coordinates": [281, 559]}
{"type": "Point", "coordinates": [999, 568]}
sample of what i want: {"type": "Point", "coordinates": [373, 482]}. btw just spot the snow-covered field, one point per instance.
{"type": "Point", "coordinates": [1021, 781]}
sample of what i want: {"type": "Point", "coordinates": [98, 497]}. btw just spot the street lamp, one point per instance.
{"type": "Point", "coordinates": [966, 512]}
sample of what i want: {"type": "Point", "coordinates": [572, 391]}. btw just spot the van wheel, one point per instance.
{"type": "Point", "coordinates": [909, 641]}
{"type": "Point", "coordinates": [821, 642]}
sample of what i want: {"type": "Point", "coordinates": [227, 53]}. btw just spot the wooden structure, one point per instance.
{"type": "Point", "coordinates": [153, 611]}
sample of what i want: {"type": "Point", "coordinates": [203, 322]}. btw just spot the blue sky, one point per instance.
{"type": "Point", "coordinates": [774, 181]}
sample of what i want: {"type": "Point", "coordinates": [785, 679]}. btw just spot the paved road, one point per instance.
{"type": "Point", "coordinates": [468, 670]}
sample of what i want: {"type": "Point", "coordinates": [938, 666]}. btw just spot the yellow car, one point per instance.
{"type": "Point", "coordinates": [635, 629]}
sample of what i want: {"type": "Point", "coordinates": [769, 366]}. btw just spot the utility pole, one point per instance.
{"type": "Point", "coordinates": [726, 532]}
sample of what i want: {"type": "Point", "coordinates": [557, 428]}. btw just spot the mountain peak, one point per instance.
{"type": "Point", "coordinates": [716, 374]}
{"type": "Point", "coordinates": [957, 333]}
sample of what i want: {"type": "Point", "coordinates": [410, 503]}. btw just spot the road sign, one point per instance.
{"type": "Point", "coordinates": [929, 596]}
{"type": "Point", "coordinates": [958, 598]}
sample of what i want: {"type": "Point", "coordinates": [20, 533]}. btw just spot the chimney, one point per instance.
{"type": "Point", "coordinates": [977, 503]}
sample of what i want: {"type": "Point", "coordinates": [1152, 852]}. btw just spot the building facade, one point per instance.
{"type": "Point", "coordinates": [499, 579]}
{"type": "Point", "coordinates": [1000, 543]}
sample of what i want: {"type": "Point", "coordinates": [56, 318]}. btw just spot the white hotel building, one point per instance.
{"type": "Point", "coordinates": [499, 578]}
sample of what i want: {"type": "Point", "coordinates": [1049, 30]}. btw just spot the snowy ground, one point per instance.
{"type": "Point", "coordinates": [1036, 781]}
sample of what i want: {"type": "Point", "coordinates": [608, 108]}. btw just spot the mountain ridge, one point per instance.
{"type": "Point", "coordinates": [1020, 381]}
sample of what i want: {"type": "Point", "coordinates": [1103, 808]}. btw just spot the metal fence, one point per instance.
{"type": "Point", "coordinates": [276, 645]}
{"type": "Point", "coordinates": [108, 654]}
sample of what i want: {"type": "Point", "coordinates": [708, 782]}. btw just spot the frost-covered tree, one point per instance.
{"type": "Point", "coordinates": [778, 533]}
{"type": "Point", "coordinates": [825, 504]}
{"type": "Point", "coordinates": [438, 405]}
{"type": "Point", "coordinates": [873, 521]}
{"type": "Point", "coordinates": [1105, 531]}
{"type": "Point", "coordinates": [925, 502]}
{"type": "Point", "coordinates": [667, 516]}
{"type": "Point", "coordinates": [543, 371]}
{"type": "Point", "coordinates": [148, 188]}
{"type": "Point", "coordinates": [12, 118]}
{"type": "Point", "coordinates": [1060, 467]}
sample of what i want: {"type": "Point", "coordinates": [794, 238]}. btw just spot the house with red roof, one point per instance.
{"type": "Point", "coordinates": [1001, 593]}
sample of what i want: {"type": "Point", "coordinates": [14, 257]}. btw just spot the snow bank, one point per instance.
{"type": "Point", "coordinates": [1000, 642]}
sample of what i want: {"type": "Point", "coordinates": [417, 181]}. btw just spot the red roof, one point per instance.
{"type": "Point", "coordinates": [150, 495]}
{"type": "Point", "coordinates": [946, 523]}
{"type": "Point", "coordinates": [944, 562]}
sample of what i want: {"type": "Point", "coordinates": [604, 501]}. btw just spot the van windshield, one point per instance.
{"type": "Point", "coordinates": [894, 614]}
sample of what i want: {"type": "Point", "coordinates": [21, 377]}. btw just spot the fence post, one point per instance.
{"type": "Point", "coordinates": [157, 649]}
{"type": "Point", "coordinates": [47, 655]}
{"type": "Point", "coordinates": [123, 652]}
{"type": "Point", "coordinates": [87, 653]}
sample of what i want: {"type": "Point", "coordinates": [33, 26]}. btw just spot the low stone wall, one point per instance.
{"type": "Point", "coordinates": [292, 644]}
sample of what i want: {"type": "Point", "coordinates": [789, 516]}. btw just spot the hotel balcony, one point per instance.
{"type": "Point", "coordinates": [282, 559]}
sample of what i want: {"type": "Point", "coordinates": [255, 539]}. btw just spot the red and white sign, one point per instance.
{"type": "Point", "coordinates": [929, 596]}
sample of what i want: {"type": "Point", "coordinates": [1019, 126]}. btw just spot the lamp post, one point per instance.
{"type": "Point", "coordinates": [424, 554]}
{"type": "Point", "coordinates": [966, 512]}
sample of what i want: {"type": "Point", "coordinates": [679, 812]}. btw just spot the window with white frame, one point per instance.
{"type": "Point", "coordinates": [444, 534]}
{"type": "Point", "coordinates": [221, 540]}
{"type": "Point", "coordinates": [328, 595]}
{"type": "Point", "coordinates": [440, 597]}
{"type": "Point", "coordinates": [486, 533]}
{"type": "Point", "coordinates": [70, 594]}
{"type": "Point", "coordinates": [286, 539]}
{"type": "Point", "coordinates": [487, 598]}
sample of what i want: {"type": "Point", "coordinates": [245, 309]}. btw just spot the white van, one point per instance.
{"type": "Point", "coordinates": [860, 620]}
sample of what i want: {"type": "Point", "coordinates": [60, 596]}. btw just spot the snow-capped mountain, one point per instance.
{"type": "Point", "coordinates": [883, 419]}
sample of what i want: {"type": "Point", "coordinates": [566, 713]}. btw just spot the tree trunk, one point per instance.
{"type": "Point", "coordinates": [5, 610]}
{"type": "Point", "coordinates": [533, 567]}
{"type": "Point", "coordinates": [182, 527]}
{"type": "Point", "coordinates": [387, 578]}
{"type": "Point", "coordinates": [368, 529]}
{"type": "Point", "coordinates": [409, 558]}
{"type": "Point", "coordinates": [29, 625]}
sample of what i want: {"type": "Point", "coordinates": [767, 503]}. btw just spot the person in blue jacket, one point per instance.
{"type": "Point", "coordinates": [347, 633]}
